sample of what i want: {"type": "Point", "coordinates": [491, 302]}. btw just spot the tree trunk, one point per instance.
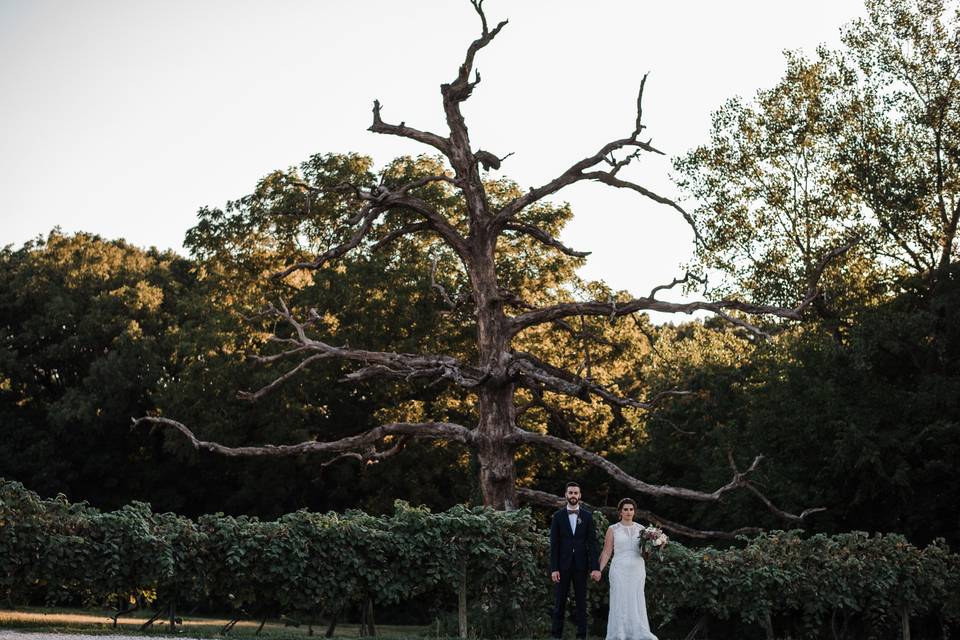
{"type": "Point", "coordinates": [702, 624]}
{"type": "Point", "coordinates": [173, 616]}
{"type": "Point", "coordinates": [905, 623]}
{"type": "Point", "coordinates": [495, 453]}
{"type": "Point", "coordinates": [462, 601]}
{"type": "Point", "coordinates": [494, 450]}
{"type": "Point", "coordinates": [333, 624]}
{"type": "Point", "coordinates": [371, 625]}
{"type": "Point", "coordinates": [768, 626]}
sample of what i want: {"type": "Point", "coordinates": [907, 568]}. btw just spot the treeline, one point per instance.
{"type": "Point", "coordinates": [855, 409]}
{"type": "Point", "coordinates": [98, 332]}
{"type": "Point", "coordinates": [313, 567]}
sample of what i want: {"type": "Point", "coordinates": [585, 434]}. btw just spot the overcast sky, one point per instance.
{"type": "Point", "coordinates": [123, 117]}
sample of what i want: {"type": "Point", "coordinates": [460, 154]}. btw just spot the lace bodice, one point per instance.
{"type": "Point", "coordinates": [626, 543]}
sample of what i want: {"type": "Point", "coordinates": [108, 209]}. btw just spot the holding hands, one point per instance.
{"type": "Point", "coordinates": [594, 575]}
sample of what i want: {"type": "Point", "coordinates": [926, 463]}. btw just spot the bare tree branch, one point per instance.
{"type": "Point", "coordinates": [402, 130]}
{"type": "Point", "coordinates": [535, 373]}
{"type": "Point", "coordinates": [739, 480]}
{"type": "Point", "coordinates": [406, 230]}
{"type": "Point", "coordinates": [666, 287]}
{"type": "Point", "coordinates": [568, 177]}
{"type": "Point", "coordinates": [460, 89]}
{"type": "Point", "coordinates": [544, 499]}
{"type": "Point", "coordinates": [334, 252]}
{"type": "Point", "coordinates": [613, 181]}
{"type": "Point", "coordinates": [431, 430]}
{"type": "Point", "coordinates": [378, 201]}
{"type": "Point", "coordinates": [576, 173]}
{"type": "Point", "coordinates": [544, 237]}
{"type": "Point", "coordinates": [766, 501]}
{"type": "Point", "coordinates": [640, 126]}
{"type": "Point", "coordinates": [276, 383]}
{"type": "Point", "coordinates": [739, 322]}
{"type": "Point", "coordinates": [407, 366]}
{"type": "Point", "coordinates": [436, 220]}
{"type": "Point", "coordinates": [422, 182]}
{"type": "Point", "coordinates": [439, 287]}
{"type": "Point", "coordinates": [371, 455]}
{"type": "Point", "coordinates": [459, 152]}
{"type": "Point", "coordinates": [613, 309]}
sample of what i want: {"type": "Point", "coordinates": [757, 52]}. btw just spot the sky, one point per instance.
{"type": "Point", "coordinates": [122, 118]}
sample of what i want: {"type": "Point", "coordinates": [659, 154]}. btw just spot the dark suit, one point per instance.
{"type": "Point", "coordinates": [573, 554]}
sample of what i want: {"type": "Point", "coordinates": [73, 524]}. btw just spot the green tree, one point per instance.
{"type": "Point", "coordinates": [771, 205]}
{"type": "Point", "coordinates": [860, 143]}
{"type": "Point", "coordinates": [901, 146]}
{"type": "Point", "coordinates": [89, 329]}
{"type": "Point", "coordinates": [868, 429]}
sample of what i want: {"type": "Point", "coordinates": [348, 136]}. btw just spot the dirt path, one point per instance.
{"type": "Point", "coordinates": [39, 618]}
{"type": "Point", "coordinates": [19, 635]}
{"type": "Point", "coordinates": [97, 623]}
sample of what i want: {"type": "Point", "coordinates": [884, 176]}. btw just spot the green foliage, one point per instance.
{"type": "Point", "coordinates": [376, 297]}
{"type": "Point", "coordinates": [89, 329]}
{"type": "Point", "coordinates": [861, 143]}
{"type": "Point", "coordinates": [304, 563]}
{"type": "Point", "coordinates": [869, 429]}
{"type": "Point", "coordinates": [807, 583]}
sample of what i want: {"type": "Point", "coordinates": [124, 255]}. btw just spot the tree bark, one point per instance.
{"type": "Point", "coordinates": [492, 439]}
{"type": "Point", "coordinates": [494, 452]}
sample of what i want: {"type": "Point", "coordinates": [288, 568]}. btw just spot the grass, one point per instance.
{"type": "Point", "coordinates": [98, 622]}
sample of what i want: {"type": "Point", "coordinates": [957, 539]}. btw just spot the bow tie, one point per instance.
{"type": "Point", "coordinates": [573, 513]}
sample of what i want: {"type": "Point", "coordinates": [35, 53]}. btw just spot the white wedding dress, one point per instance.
{"type": "Point", "coordinates": [628, 573]}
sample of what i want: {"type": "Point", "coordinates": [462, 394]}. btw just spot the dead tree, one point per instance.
{"type": "Point", "coordinates": [500, 370]}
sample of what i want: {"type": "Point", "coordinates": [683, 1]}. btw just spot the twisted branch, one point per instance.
{"type": "Point", "coordinates": [543, 237]}
{"type": "Point", "coordinates": [402, 130]}
{"type": "Point", "coordinates": [739, 479]}
{"type": "Point", "coordinates": [377, 202]}
{"type": "Point", "coordinates": [360, 442]}
{"type": "Point", "coordinates": [407, 366]}
{"type": "Point", "coordinates": [578, 172]}
{"type": "Point", "coordinates": [371, 455]}
{"type": "Point", "coordinates": [533, 372]}
{"type": "Point", "coordinates": [612, 308]}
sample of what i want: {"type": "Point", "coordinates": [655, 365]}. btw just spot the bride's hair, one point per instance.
{"type": "Point", "coordinates": [626, 501]}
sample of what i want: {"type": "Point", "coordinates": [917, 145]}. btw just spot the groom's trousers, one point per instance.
{"type": "Point", "coordinates": [579, 579]}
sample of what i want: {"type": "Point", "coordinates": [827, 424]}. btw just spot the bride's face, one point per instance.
{"type": "Point", "coordinates": [627, 512]}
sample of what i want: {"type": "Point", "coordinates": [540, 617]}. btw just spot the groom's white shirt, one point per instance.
{"type": "Point", "coordinates": [573, 517]}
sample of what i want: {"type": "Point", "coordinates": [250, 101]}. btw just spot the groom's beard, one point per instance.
{"type": "Point", "coordinates": [573, 501]}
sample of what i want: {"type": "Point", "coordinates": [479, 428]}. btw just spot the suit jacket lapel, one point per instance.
{"type": "Point", "coordinates": [581, 519]}
{"type": "Point", "coordinates": [566, 519]}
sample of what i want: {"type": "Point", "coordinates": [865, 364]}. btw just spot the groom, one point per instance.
{"type": "Point", "coordinates": [573, 552]}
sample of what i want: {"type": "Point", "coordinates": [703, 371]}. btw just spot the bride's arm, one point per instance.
{"type": "Point", "coordinates": [607, 547]}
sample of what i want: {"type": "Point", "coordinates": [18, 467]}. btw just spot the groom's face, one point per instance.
{"type": "Point", "coordinates": [573, 496]}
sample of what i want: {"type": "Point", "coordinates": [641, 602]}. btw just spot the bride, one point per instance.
{"type": "Point", "coordinates": [628, 608]}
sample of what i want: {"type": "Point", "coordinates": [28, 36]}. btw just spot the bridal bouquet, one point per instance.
{"type": "Point", "coordinates": [652, 539]}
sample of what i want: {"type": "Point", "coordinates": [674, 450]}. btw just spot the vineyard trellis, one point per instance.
{"type": "Point", "coordinates": [311, 566]}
